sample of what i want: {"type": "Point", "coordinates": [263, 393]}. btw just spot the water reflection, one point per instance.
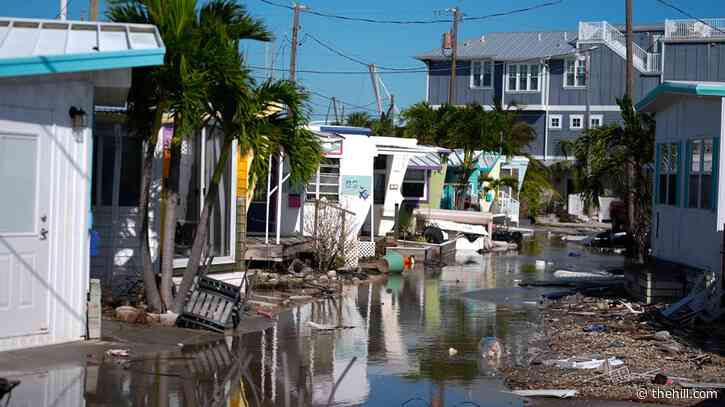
{"type": "Point", "coordinates": [391, 349]}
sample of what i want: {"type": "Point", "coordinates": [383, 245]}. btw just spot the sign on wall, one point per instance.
{"type": "Point", "coordinates": [356, 185]}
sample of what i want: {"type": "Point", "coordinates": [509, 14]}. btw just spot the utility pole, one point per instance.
{"type": "Point", "coordinates": [454, 54]}
{"type": "Point", "coordinates": [391, 110]}
{"type": "Point", "coordinates": [63, 12]}
{"type": "Point", "coordinates": [630, 57]}
{"type": "Point", "coordinates": [630, 93]}
{"type": "Point", "coordinates": [295, 31]}
{"type": "Point", "coordinates": [94, 10]}
{"type": "Point", "coordinates": [376, 89]}
{"type": "Point", "coordinates": [587, 67]}
{"type": "Point", "coordinates": [334, 109]}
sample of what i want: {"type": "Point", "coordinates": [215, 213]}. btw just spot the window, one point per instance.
{"type": "Point", "coordinates": [523, 77]}
{"type": "Point", "coordinates": [701, 156]}
{"type": "Point", "coordinates": [415, 185]}
{"type": "Point", "coordinates": [576, 122]}
{"type": "Point", "coordinates": [576, 74]}
{"type": "Point", "coordinates": [482, 74]}
{"type": "Point", "coordinates": [380, 165]}
{"type": "Point", "coordinates": [326, 183]}
{"type": "Point", "coordinates": [555, 121]}
{"type": "Point", "coordinates": [668, 163]}
{"type": "Point", "coordinates": [596, 120]}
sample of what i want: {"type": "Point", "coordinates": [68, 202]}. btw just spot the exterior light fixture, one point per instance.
{"type": "Point", "coordinates": [78, 121]}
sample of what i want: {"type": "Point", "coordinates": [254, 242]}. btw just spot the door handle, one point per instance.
{"type": "Point", "coordinates": [43, 233]}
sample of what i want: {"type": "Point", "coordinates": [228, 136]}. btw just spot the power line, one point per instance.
{"type": "Point", "coordinates": [354, 59]}
{"type": "Point", "coordinates": [362, 107]}
{"type": "Point", "coordinates": [689, 15]}
{"type": "Point", "coordinates": [404, 22]}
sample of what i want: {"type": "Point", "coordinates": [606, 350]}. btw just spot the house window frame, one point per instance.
{"type": "Point", "coordinates": [424, 198]}
{"type": "Point", "coordinates": [673, 170]}
{"type": "Point", "coordinates": [599, 117]}
{"type": "Point", "coordinates": [555, 116]}
{"type": "Point", "coordinates": [713, 173]}
{"type": "Point", "coordinates": [316, 182]}
{"type": "Point", "coordinates": [571, 121]}
{"type": "Point", "coordinates": [182, 262]}
{"type": "Point", "coordinates": [482, 75]}
{"type": "Point", "coordinates": [528, 77]}
{"type": "Point", "coordinates": [578, 65]}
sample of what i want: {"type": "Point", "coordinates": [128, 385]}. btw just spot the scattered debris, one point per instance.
{"type": "Point", "coordinates": [595, 328]}
{"type": "Point", "coordinates": [6, 386]}
{"type": "Point", "coordinates": [452, 352]}
{"type": "Point", "coordinates": [662, 336]}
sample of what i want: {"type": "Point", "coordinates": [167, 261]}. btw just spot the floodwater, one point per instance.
{"type": "Point", "coordinates": [393, 348]}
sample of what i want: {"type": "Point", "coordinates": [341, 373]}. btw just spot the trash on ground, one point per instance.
{"type": "Point", "coordinates": [578, 363]}
{"type": "Point", "coordinates": [595, 328]}
{"type": "Point", "coordinates": [452, 351]}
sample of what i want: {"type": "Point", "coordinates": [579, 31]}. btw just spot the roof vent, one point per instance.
{"type": "Point", "coordinates": [565, 39]}
{"type": "Point", "coordinates": [483, 38]}
{"type": "Point", "coordinates": [539, 36]}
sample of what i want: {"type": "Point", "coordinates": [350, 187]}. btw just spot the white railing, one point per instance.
{"type": "Point", "coordinates": [508, 206]}
{"type": "Point", "coordinates": [695, 29]}
{"type": "Point", "coordinates": [602, 31]}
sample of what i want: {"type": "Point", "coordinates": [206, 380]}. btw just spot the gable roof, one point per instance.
{"type": "Point", "coordinates": [511, 46]}
{"type": "Point", "coordinates": [650, 102]}
{"type": "Point", "coordinates": [36, 47]}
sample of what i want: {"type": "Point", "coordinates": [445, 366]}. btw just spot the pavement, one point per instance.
{"type": "Point", "coordinates": [136, 338]}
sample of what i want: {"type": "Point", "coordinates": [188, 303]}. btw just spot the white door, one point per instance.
{"type": "Point", "coordinates": [24, 211]}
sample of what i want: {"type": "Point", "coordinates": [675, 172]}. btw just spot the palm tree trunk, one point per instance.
{"type": "Point", "coordinates": [202, 228]}
{"type": "Point", "coordinates": [151, 289]}
{"type": "Point", "coordinates": [171, 202]}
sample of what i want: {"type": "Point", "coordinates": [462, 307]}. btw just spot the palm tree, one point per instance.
{"type": "Point", "coordinates": [426, 124]}
{"type": "Point", "coordinates": [603, 154]}
{"type": "Point", "coordinates": [173, 87]}
{"type": "Point", "coordinates": [264, 119]}
{"type": "Point", "coordinates": [359, 119]}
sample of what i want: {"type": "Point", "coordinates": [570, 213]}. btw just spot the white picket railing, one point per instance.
{"type": "Point", "coordinates": [602, 31]}
{"type": "Point", "coordinates": [695, 29]}
{"type": "Point", "coordinates": [509, 206]}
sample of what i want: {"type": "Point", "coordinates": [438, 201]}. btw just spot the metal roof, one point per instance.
{"type": "Point", "coordinates": [486, 161]}
{"type": "Point", "coordinates": [649, 103]}
{"type": "Point", "coordinates": [32, 47]}
{"type": "Point", "coordinates": [512, 46]}
{"type": "Point", "coordinates": [430, 161]}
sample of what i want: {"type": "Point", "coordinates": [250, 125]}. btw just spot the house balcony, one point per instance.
{"type": "Point", "coordinates": [706, 28]}
{"type": "Point", "coordinates": [601, 32]}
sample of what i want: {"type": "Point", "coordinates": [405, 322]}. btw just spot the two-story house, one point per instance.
{"type": "Point", "coordinates": [567, 81]}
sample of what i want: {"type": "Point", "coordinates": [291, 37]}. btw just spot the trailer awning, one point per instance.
{"type": "Point", "coordinates": [430, 161]}
{"type": "Point", "coordinates": [42, 47]}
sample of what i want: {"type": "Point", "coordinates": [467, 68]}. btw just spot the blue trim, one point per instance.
{"type": "Point", "coordinates": [685, 88]}
{"type": "Point", "coordinates": [51, 64]}
{"type": "Point", "coordinates": [347, 130]}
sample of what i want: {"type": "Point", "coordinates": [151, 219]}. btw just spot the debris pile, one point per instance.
{"type": "Point", "coordinates": [605, 349]}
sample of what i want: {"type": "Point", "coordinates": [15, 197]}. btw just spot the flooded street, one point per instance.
{"type": "Point", "coordinates": [392, 347]}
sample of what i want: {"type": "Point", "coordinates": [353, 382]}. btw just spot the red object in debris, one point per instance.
{"type": "Point", "coordinates": [267, 314]}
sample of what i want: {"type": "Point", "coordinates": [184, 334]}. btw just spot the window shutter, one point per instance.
{"type": "Point", "coordinates": [686, 174]}
{"type": "Point", "coordinates": [656, 195]}
{"type": "Point", "coordinates": [715, 171]}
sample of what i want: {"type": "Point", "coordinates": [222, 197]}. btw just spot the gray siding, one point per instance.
{"type": "Point", "coordinates": [687, 235]}
{"type": "Point", "coordinates": [439, 78]}
{"type": "Point", "coordinates": [695, 62]}
{"type": "Point", "coordinates": [565, 133]}
{"type": "Point", "coordinates": [607, 80]}
{"type": "Point", "coordinates": [537, 120]}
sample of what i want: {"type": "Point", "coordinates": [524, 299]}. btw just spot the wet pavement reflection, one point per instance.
{"type": "Point", "coordinates": [391, 346]}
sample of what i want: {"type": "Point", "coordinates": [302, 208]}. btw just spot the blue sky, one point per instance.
{"type": "Point", "coordinates": [393, 45]}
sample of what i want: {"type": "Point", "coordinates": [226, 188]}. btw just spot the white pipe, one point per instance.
{"type": "Point", "coordinates": [63, 14]}
{"type": "Point", "coordinates": [266, 219]}
{"type": "Point", "coordinates": [280, 167]}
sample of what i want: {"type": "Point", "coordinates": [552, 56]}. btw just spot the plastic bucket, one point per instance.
{"type": "Point", "coordinates": [395, 262]}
